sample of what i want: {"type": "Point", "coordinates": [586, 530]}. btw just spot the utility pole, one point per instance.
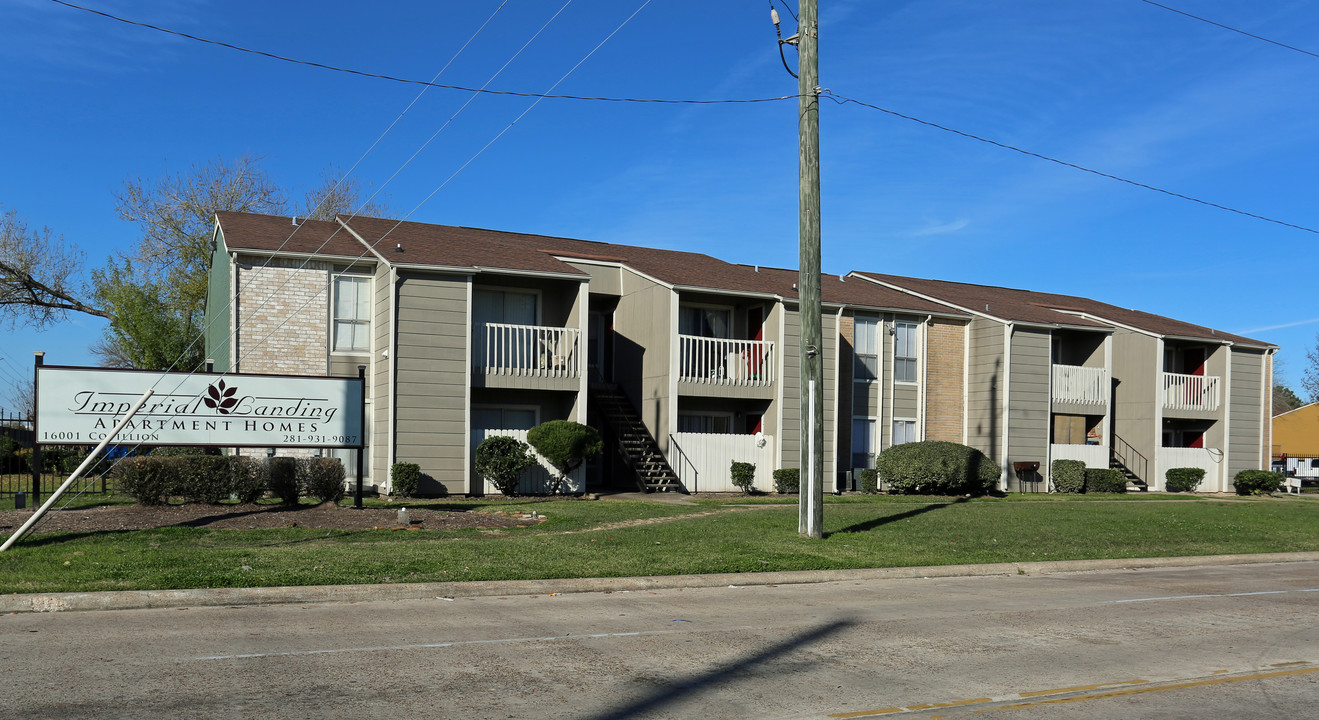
{"type": "Point", "coordinates": [811, 502]}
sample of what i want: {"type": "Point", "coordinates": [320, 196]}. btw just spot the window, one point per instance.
{"type": "Point", "coordinates": [705, 423]}
{"type": "Point", "coordinates": [863, 442]}
{"type": "Point", "coordinates": [904, 352]}
{"type": "Point", "coordinates": [704, 322]}
{"type": "Point", "coordinates": [496, 418]}
{"type": "Point", "coordinates": [904, 431]}
{"type": "Point", "coordinates": [352, 313]}
{"type": "Point", "coordinates": [504, 347]}
{"type": "Point", "coordinates": [865, 363]}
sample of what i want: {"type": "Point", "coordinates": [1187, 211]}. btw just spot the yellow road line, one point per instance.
{"type": "Point", "coordinates": [1156, 688]}
{"type": "Point", "coordinates": [1082, 688]}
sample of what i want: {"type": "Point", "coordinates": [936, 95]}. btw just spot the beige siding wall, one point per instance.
{"type": "Point", "coordinates": [1138, 374]}
{"type": "Point", "coordinates": [283, 317]}
{"type": "Point", "coordinates": [1029, 404]}
{"type": "Point", "coordinates": [1267, 455]}
{"type": "Point", "coordinates": [944, 401]}
{"type": "Point", "coordinates": [432, 379]}
{"type": "Point", "coordinates": [985, 388]}
{"type": "Point", "coordinates": [643, 338]}
{"type": "Point", "coordinates": [793, 392]}
{"type": "Point", "coordinates": [1249, 373]}
{"type": "Point", "coordinates": [605, 279]}
{"type": "Point", "coordinates": [380, 374]}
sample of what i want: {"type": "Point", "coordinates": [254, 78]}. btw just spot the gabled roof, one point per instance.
{"type": "Point", "coordinates": [274, 234]}
{"type": "Point", "coordinates": [1027, 306]}
{"type": "Point", "coordinates": [855, 293]}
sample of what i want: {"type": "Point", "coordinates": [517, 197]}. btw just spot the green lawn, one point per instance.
{"type": "Point", "coordinates": [583, 539]}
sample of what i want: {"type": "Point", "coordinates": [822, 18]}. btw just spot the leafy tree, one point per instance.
{"type": "Point", "coordinates": [566, 445]}
{"type": "Point", "coordinates": [146, 332]}
{"type": "Point", "coordinates": [1284, 400]}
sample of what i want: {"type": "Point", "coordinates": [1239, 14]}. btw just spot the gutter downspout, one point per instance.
{"type": "Point", "coordinates": [234, 286]}
{"type": "Point", "coordinates": [1223, 468]}
{"type": "Point", "coordinates": [966, 383]}
{"type": "Point", "coordinates": [925, 375]}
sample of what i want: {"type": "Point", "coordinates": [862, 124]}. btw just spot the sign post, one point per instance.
{"type": "Point", "coordinates": [361, 447]}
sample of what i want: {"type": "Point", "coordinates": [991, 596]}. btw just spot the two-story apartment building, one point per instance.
{"type": "Point", "coordinates": [685, 362]}
{"type": "Point", "coordinates": [1065, 377]}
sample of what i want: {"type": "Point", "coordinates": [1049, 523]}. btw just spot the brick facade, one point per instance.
{"type": "Point", "coordinates": [283, 318]}
{"type": "Point", "coordinates": [944, 408]}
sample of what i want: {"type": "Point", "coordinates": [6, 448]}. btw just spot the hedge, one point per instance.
{"type": "Point", "coordinates": [1068, 475]}
{"type": "Point", "coordinates": [936, 467]}
{"type": "Point", "coordinates": [1257, 482]}
{"type": "Point", "coordinates": [787, 480]}
{"type": "Point", "coordinates": [1184, 479]}
{"type": "Point", "coordinates": [1105, 480]}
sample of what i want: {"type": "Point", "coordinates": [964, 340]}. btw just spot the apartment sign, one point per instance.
{"type": "Point", "coordinates": [80, 406]}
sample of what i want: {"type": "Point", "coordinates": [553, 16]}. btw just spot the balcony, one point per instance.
{"type": "Point", "coordinates": [528, 351]}
{"type": "Point", "coordinates": [718, 362]}
{"type": "Point", "coordinates": [1080, 385]}
{"type": "Point", "coordinates": [1191, 392]}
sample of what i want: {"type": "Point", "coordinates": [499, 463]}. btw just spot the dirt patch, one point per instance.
{"type": "Point", "coordinates": [326, 516]}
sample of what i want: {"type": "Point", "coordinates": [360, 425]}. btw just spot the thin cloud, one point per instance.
{"type": "Point", "coordinates": [1298, 323]}
{"type": "Point", "coordinates": [944, 229]}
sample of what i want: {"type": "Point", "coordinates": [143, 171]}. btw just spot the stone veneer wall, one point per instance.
{"type": "Point", "coordinates": [944, 410]}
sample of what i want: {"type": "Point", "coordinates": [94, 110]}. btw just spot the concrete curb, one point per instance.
{"type": "Point", "coordinates": [150, 599]}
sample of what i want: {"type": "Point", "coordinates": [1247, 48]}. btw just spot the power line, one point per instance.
{"type": "Point", "coordinates": [412, 81]}
{"type": "Point", "coordinates": [1232, 29]}
{"type": "Point", "coordinates": [841, 100]}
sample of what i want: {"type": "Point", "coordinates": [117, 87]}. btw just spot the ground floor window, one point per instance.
{"type": "Point", "coordinates": [705, 423]}
{"type": "Point", "coordinates": [904, 431]}
{"type": "Point", "coordinates": [863, 442]}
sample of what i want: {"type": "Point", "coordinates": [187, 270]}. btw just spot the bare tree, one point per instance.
{"type": "Point", "coordinates": [39, 275]}
{"type": "Point", "coordinates": [340, 194]}
{"type": "Point", "coordinates": [177, 216]}
{"type": "Point", "coordinates": [1310, 380]}
{"type": "Point", "coordinates": [23, 398]}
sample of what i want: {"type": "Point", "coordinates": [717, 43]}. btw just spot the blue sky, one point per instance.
{"type": "Point", "coordinates": [1122, 87]}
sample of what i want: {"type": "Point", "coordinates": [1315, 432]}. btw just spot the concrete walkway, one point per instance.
{"type": "Point", "coordinates": [139, 599]}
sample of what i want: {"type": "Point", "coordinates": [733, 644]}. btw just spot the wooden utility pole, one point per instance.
{"type": "Point", "coordinates": [811, 504]}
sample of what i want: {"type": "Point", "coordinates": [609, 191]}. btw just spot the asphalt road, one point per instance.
{"type": "Point", "coordinates": [1230, 641]}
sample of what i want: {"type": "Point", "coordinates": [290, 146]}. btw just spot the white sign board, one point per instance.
{"type": "Point", "coordinates": [81, 405]}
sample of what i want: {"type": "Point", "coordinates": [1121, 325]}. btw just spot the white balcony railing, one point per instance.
{"type": "Point", "coordinates": [732, 363]}
{"type": "Point", "coordinates": [1190, 392]}
{"type": "Point", "coordinates": [528, 351]}
{"type": "Point", "coordinates": [1080, 385]}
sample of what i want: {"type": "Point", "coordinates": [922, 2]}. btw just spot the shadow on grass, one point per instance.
{"type": "Point", "coordinates": [681, 690]}
{"type": "Point", "coordinates": [881, 521]}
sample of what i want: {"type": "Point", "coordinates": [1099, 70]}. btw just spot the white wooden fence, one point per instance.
{"type": "Point", "coordinates": [535, 479]}
{"type": "Point", "coordinates": [1211, 459]}
{"type": "Point", "coordinates": [702, 460]}
{"type": "Point", "coordinates": [1094, 456]}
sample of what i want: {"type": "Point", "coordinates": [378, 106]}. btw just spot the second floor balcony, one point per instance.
{"type": "Point", "coordinates": [531, 351]}
{"type": "Point", "coordinates": [726, 363]}
{"type": "Point", "coordinates": [1191, 392]}
{"type": "Point", "coordinates": [1080, 385]}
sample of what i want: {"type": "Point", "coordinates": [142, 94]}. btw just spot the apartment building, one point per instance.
{"type": "Point", "coordinates": [685, 362]}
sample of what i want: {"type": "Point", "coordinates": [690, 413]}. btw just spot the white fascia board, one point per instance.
{"type": "Point", "coordinates": [579, 277]}
{"type": "Point", "coordinates": [369, 247]}
{"type": "Point", "coordinates": [734, 293]}
{"type": "Point", "coordinates": [904, 311]}
{"type": "Point", "coordinates": [931, 298]}
{"type": "Point", "coordinates": [350, 260]}
{"type": "Point", "coordinates": [645, 276]}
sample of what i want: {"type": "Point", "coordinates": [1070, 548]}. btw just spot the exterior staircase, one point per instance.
{"type": "Point", "coordinates": [635, 443]}
{"type": "Point", "coordinates": [1122, 456]}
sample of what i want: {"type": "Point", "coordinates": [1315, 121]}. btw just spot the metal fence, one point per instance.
{"type": "Point", "coordinates": [17, 449]}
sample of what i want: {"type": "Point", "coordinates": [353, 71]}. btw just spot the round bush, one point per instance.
{"type": "Point", "coordinates": [1257, 482]}
{"type": "Point", "coordinates": [150, 481]}
{"type": "Point", "coordinates": [282, 479]}
{"type": "Point", "coordinates": [743, 475]}
{"type": "Point", "coordinates": [321, 478]}
{"type": "Point", "coordinates": [1105, 480]}
{"type": "Point", "coordinates": [787, 480]}
{"type": "Point", "coordinates": [403, 479]}
{"type": "Point", "coordinates": [935, 467]}
{"type": "Point", "coordinates": [868, 481]}
{"type": "Point", "coordinates": [1183, 479]}
{"type": "Point", "coordinates": [502, 459]}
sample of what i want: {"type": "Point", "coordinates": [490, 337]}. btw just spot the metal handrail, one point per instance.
{"type": "Point", "coordinates": [684, 460]}
{"type": "Point", "coordinates": [1123, 451]}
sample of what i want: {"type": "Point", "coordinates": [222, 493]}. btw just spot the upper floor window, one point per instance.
{"type": "Point", "coordinates": [704, 322]}
{"type": "Point", "coordinates": [352, 313]}
{"type": "Point", "coordinates": [865, 363]}
{"type": "Point", "coordinates": [904, 352]}
{"type": "Point", "coordinates": [504, 306]}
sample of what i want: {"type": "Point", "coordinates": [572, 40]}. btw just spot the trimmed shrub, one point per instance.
{"type": "Point", "coordinates": [177, 451]}
{"type": "Point", "coordinates": [150, 481]}
{"type": "Point", "coordinates": [1185, 479]}
{"type": "Point", "coordinates": [1068, 475]}
{"type": "Point", "coordinates": [565, 445]}
{"type": "Point", "coordinates": [321, 478]}
{"type": "Point", "coordinates": [868, 481]}
{"type": "Point", "coordinates": [246, 481]}
{"type": "Point", "coordinates": [936, 467]}
{"type": "Point", "coordinates": [787, 480]}
{"type": "Point", "coordinates": [200, 478]}
{"type": "Point", "coordinates": [744, 475]}
{"type": "Point", "coordinates": [1257, 482]}
{"type": "Point", "coordinates": [1105, 480]}
{"type": "Point", "coordinates": [403, 479]}
{"type": "Point", "coordinates": [502, 460]}
{"type": "Point", "coordinates": [282, 479]}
